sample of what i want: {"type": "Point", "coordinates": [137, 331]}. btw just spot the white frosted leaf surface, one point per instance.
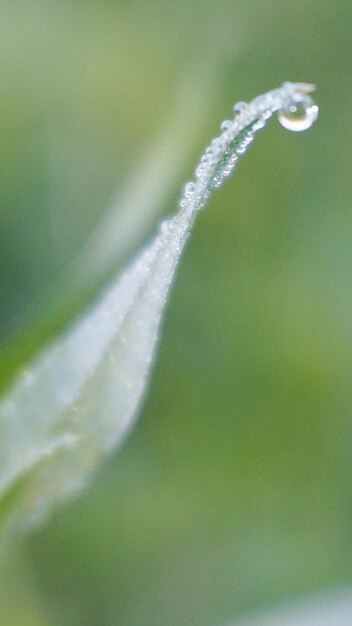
{"type": "Point", "coordinates": [76, 401]}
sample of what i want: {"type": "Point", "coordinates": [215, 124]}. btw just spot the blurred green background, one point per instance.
{"type": "Point", "coordinates": [234, 490]}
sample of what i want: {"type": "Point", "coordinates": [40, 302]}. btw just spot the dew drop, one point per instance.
{"type": "Point", "coordinates": [189, 189]}
{"type": "Point", "coordinates": [166, 227]}
{"type": "Point", "coordinates": [239, 106]}
{"type": "Point", "coordinates": [298, 113]}
{"type": "Point", "coordinates": [226, 124]}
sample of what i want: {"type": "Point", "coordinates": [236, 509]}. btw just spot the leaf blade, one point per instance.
{"type": "Point", "coordinates": [80, 396]}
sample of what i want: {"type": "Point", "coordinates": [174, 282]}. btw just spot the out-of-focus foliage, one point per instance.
{"type": "Point", "coordinates": [234, 491]}
{"type": "Point", "coordinates": [322, 609]}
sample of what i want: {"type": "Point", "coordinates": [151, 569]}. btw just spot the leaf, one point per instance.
{"type": "Point", "coordinates": [78, 399]}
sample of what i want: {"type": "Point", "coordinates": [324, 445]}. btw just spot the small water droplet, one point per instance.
{"type": "Point", "coordinates": [166, 227]}
{"type": "Point", "coordinates": [226, 124]}
{"type": "Point", "coordinates": [298, 113]}
{"type": "Point", "coordinates": [239, 106]}
{"type": "Point", "coordinates": [189, 189]}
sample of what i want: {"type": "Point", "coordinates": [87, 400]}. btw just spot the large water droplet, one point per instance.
{"type": "Point", "coordinates": [298, 113]}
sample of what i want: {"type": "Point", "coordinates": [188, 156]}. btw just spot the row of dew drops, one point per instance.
{"type": "Point", "coordinates": [296, 112]}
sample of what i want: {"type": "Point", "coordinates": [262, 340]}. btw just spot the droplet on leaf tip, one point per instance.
{"type": "Point", "coordinates": [298, 113]}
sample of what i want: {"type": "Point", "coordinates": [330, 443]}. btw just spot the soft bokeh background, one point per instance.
{"type": "Point", "coordinates": [234, 490]}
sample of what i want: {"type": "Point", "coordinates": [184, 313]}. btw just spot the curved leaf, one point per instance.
{"type": "Point", "coordinates": [76, 401]}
